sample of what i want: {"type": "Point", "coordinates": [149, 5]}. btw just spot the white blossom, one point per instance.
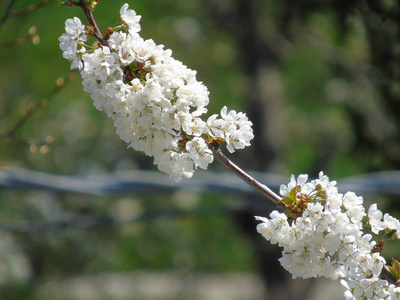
{"type": "Point", "coordinates": [326, 237]}
{"type": "Point", "coordinates": [285, 189]}
{"type": "Point", "coordinates": [129, 17]}
{"type": "Point", "coordinates": [72, 42]}
{"type": "Point", "coordinates": [156, 102]}
{"type": "Point", "coordinates": [375, 219]}
{"type": "Point", "coordinates": [391, 223]}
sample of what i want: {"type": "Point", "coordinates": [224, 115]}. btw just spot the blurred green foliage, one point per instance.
{"type": "Point", "coordinates": [325, 76]}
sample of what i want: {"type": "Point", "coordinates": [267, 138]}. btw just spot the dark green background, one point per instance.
{"type": "Point", "coordinates": [319, 80]}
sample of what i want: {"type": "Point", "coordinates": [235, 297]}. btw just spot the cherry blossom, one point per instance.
{"type": "Point", "coordinates": [156, 102]}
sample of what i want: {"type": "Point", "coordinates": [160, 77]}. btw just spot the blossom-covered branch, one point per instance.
{"type": "Point", "coordinates": [158, 108]}
{"type": "Point", "coordinates": [322, 233]}
{"type": "Point", "coordinates": [155, 101]}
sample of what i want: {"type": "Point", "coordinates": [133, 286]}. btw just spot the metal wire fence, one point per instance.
{"type": "Point", "coordinates": [140, 182]}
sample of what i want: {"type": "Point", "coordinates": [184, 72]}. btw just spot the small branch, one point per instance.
{"type": "Point", "coordinates": [8, 12]}
{"type": "Point", "coordinates": [30, 8]}
{"type": "Point", "coordinates": [263, 189]}
{"type": "Point", "coordinates": [88, 13]}
{"type": "Point", "coordinates": [31, 110]}
{"type": "Point", "coordinates": [31, 36]}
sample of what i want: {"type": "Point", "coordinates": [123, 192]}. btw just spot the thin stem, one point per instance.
{"type": "Point", "coordinates": [33, 109]}
{"type": "Point", "coordinates": [30, 8]}
{"type": "Point", "coordinates": [8, 12]}
{"type": "Point", "coordinates": [88, 13]}
{"type": "Point", "coordinates": [29, 37]}
{"type": "Point", "coordinates": [263, 189]}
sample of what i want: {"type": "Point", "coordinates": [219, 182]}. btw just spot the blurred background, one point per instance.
{"type": "Point", "coordinates": [320, 82]}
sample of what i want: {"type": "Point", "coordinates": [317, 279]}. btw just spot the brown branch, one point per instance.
{"type": "Point", "coordinates": [8, 12]}
{"type": "Point", "coordinates": [263, 189]}
{"type": "Point", "coordinates": [31, 36]}
{"type": "Point", "coordinates": [33, 109]}
{"type": "Point", "coordinates": [30, 8]}
{"type": "Point", "coordinates": [96, 31]}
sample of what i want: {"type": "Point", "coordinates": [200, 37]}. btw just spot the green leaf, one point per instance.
{"type": "Point", "coordinates": [287, 201]}
{"type": "Point", "coordinates": [395, 268]}
{"type": "Point", "coordinates": [294, 191]}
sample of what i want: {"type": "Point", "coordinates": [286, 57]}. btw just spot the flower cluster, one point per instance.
{"type": "Point", "coordinates": [321, 233]}
{"type": "Point", "coordinates": [155, 101]}
{"type": "Point", "coordinates": [72, 42]}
